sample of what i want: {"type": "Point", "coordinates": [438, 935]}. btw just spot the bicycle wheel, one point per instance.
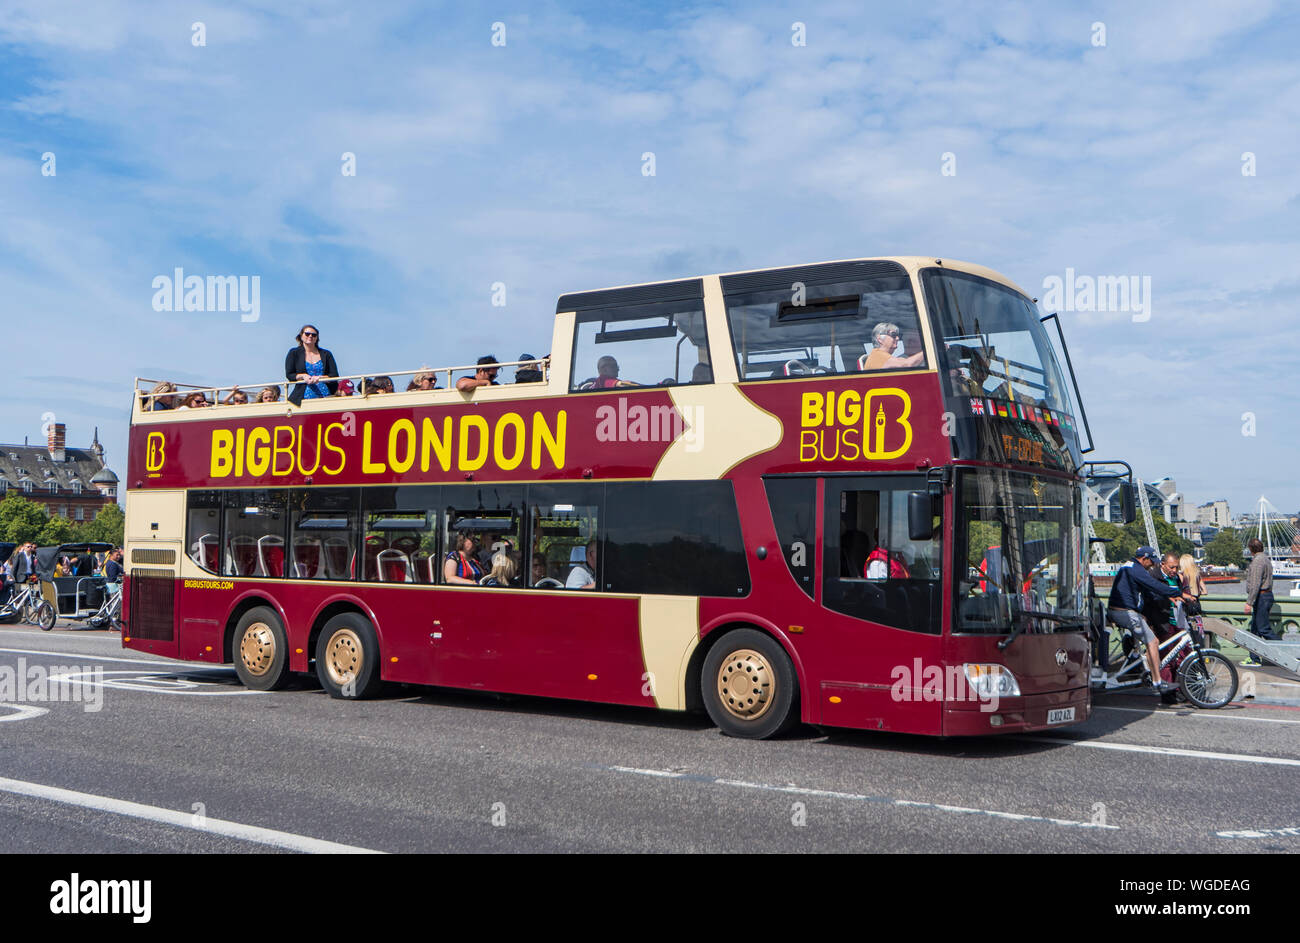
{"type": "Point", "coordinates": [45, 616]}
{"type": "Point", "coordinates": [1209, 680]}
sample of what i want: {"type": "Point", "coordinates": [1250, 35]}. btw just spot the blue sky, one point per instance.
{"type": "Point", "coordinates": [521, 164]}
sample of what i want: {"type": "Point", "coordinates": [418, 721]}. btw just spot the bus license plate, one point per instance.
{"type": "Point", "coordinates": [1060, 716]}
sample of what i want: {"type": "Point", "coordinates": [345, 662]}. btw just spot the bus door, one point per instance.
{"type": "Point", "coordinates": [881, 595]}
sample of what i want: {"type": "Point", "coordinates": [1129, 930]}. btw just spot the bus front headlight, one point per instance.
{"type": "Point", "coordinates": [991, 681]}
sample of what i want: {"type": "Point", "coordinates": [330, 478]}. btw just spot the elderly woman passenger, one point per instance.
{"type": "Point", "coordinates": [885, 337]}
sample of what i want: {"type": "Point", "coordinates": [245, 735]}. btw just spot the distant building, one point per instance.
{"type": "Point", "coordinates": [1214, 513]}
{"type": "Point", "coordinates": [1163, 496]}
{"type": "Point", "coordinates": [72, 483]}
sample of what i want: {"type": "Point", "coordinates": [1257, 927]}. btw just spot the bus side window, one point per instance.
{"type": "Point", "coordinates": [203, 529]}
{"type": "Point", "coordinates": [322, 533]}
{"type": "Point", "coordinates": [254, 525]}
{"type": "Point", "coordinates": [793, 502]}
{"type": "Point", "coordinates": [564, 520]}
{"type": "Point", "coordinates": [630, 346]}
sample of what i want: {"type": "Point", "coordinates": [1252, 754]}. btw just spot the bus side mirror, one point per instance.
{"type": "Point", "coordinates": [1128, 501]}
{"type": "Point", "coordinates": [920, 516]}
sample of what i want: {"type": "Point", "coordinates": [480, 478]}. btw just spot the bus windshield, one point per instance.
{"type": "Point", "coordinates": [1020, 554]}
{"type": "Point", "coordinates": [993, 342]}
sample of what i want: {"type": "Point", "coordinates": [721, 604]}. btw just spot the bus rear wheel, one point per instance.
{"type": "Point", "coordinates": [347, 657]}
{"type": "Point", "coordinates": [748, 686]}
{"type": "Point", "coordinates": [260, 650]}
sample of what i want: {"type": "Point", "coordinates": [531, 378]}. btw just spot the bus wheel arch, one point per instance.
{"type": "Point", "coordinates": [240, 608]}
{"type": "Point", "coordinates": [730, 657]}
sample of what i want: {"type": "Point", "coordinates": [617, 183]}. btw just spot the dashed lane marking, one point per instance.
{"type": "Point", "coordinates": [21, 711]}
{"type": "Point", "coordinates": [1201, 715]}
{"type": "Point", "coordinates": [851, 796]}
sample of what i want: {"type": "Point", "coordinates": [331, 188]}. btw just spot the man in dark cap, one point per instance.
{"type": "Point", "coordinates": [1133, 586]}
{"type": "Point", "coordinates": [486, 375]}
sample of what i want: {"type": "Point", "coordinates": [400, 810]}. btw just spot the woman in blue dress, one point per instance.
{"type": "Point", "coordinates": [312, 366]}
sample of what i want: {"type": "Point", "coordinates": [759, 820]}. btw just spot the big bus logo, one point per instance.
{"type": "Point", "coordinates": [848, 425]}
{"type": "Point", "coordinates": [153, 452]}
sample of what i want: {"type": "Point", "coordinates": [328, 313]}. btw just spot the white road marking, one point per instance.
{"type": "Point", "coordinates": [1201, 714]}
{"type": "Point", "coordinates": [22, 711]}
{"type": "Point", "coordinates": [1167, 751]}
{"type": "Point", "coordinates": [151, 682]}
{"type": "Point", "coordinates": [252, 833]}
{"type": "Point", "coordinates": [1291, 832]}
{"type": "Point", "coordinates": [856, 797]}
{"type": "Point", "coordinates": [158, 663]}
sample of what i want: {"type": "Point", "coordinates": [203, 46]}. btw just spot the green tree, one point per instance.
{"type": "Point", "coordinates": [57, 530]}
{"type": "Point", "coordinates": [109, 526]}
{"type": "Point", "coordinates": [1225, 549]}
{"type": "Point", "coordinates": [20, 518]}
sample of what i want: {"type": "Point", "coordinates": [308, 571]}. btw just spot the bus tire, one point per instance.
{"type": "Point", "coordinates": [347, 657]}
{"type": "Point", "coordinates": [749, 687]}
{"type": "Point", "coordinates": [260, 650]}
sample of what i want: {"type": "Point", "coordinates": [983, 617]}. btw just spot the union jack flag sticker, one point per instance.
{"type": "Point", "coordinates": [977, 407]}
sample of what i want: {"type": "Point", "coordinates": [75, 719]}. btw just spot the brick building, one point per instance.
{"type": "Point", "coordinates": [71, 483]}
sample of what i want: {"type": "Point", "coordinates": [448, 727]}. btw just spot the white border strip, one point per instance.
{"type": "Point", "coordinates": [251, 833]}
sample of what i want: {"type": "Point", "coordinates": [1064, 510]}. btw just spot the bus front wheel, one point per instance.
{"type": "Point", "coordinates": [749, 686]}
{"type": "Point", "coordinates": [347, 657]}
{"type": "Point", "coordinates": [260, 650]}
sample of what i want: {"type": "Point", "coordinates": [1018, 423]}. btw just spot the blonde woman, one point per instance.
{"type": "Point", "coordinates": [159, 398]}
{"type": "Point", "coordinates": [503, 570]}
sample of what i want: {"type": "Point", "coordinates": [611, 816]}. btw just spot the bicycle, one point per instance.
{"type": "Point", "coordinates": [109, 615]}
{"type": "Point", "coordinates": [1205, 676]}
{"type": "Point", "coordinates": [31, 607]}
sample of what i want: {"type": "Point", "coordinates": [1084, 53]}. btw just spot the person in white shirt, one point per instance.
{"type": "Point", "coordinates": [583, 575]}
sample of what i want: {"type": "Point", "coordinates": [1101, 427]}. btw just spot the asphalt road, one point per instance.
{"type": "Point", "coordinates": [182, 758]}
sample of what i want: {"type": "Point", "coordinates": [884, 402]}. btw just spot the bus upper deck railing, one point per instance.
{"type": "Point", "coordinates": [358, 384]}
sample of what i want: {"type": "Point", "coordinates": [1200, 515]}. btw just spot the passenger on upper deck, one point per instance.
{"type": "Point", "coordinates": [269, 394]}
{"type": "Point", "coordinates": [422, 381]}
{"type": "Point", "coordinates": [885, 336]}
{"type": "Point", "coordinates": [237, 397]}
{"type": "Point", "coordinates": [312, 366]}
{"type": "Point", "coordinates": [160, 398]}
{"type": "Point", "coordinates": [381, 384]}
{"type": "Point", "coordinates": [607, 375]}
{"type": "Point", "coordinates": [529, 372]}
{"type": "Point", "coordinates": [195, 400]}
{"type": "Point", "coordinates": [486, 375]}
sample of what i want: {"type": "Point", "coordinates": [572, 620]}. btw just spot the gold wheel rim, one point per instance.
{"type": "Point", "coordinates": [257, 649]}
{"type": "Point", "coordinates": [746, 684]}
{"type": "Point", "coordinates": [343, 656]}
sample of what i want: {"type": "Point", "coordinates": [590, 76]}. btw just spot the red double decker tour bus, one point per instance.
{"type": "Point", "coordinates": [846, 494]}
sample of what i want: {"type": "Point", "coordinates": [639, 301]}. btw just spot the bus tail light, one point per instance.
{"type": "Point", "coordinates": [990, 681]}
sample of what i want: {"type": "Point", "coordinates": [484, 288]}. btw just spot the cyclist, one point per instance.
{"type": "Point", "coordinates": [1132, 586]}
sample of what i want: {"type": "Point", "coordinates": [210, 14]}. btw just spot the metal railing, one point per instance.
{"type": "Point", "coordinates": [364, 385]}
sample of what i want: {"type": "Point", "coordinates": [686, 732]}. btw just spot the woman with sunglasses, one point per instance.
{"type": "Point", "coordinates": [312, 366]}
{"type": "Point", "coordinates": [885, 337]}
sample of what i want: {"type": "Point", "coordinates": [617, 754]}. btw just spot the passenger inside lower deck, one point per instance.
{"type": "Point", "coordinates": [583, 574]}
{"type": "Point", "coordinates": [462, 565]}
{"type": "Point", "coordinates": [503, 570]}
